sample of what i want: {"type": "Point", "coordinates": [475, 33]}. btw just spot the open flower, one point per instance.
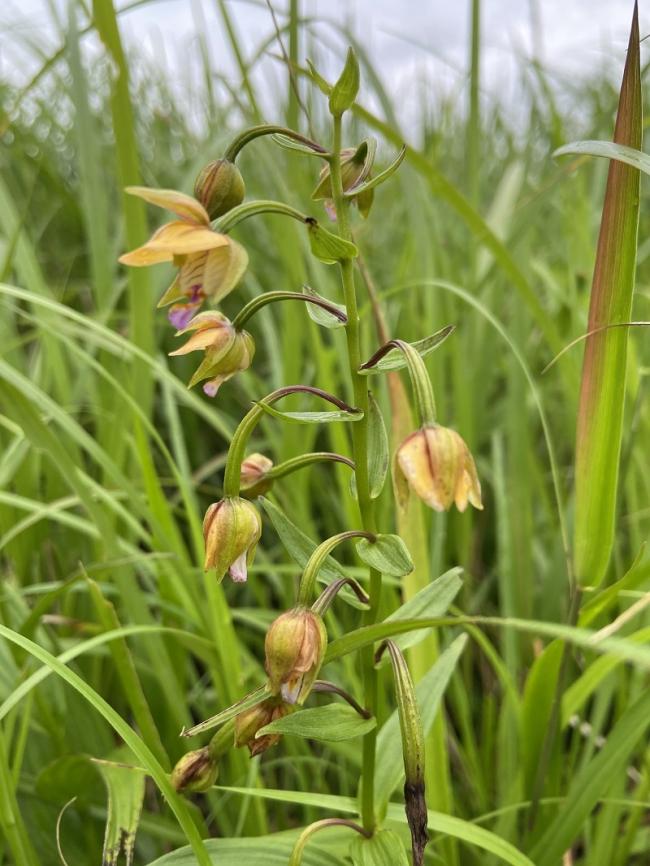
{"type": "Point", "coordinates": [227, 350]}
{"type": "Point", "coordinates": [210, 264]}
{"type": "Point", "coordinates": [250, 721]}
{"type": "Point", "coordinates": [439, 468]}
{"type": "Point", "coordinates": [231, 530]}
{"type": "Point", "coordinates": [295, 647]}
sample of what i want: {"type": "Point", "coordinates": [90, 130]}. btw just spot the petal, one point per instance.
{"type": "Point", "coordinates": [180, 315]}
{"type": "Point", "coordinates": [224, 268]}
{"type": "Point", "coordinates": [238, 570]}
{"type": "Point", "coordinates": [144, 256]}
{"type": "Point", "coordinates": [207, 319]}
{"type": "Point", "coordinates": [173, 293]}
{"type": "Point", "coordinates": [184, 206]}
{"type": "Point", "coordinates": [206, 338]}
{"type": "Point", "coordinates": [210, 388]}
{"type": "Point", "coordinates": [181, 238]}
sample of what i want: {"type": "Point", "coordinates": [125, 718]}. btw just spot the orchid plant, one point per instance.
{"type": "Point", "coordinates": [433, 463]}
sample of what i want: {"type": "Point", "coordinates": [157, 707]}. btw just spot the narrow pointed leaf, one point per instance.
{"type": "Point", "coordinates": [384, 848]}
{"type": "Point", "coordinates": [324, 417]}
{"type": "Point", "coordinates": [602, 395]}
{"type": "Point", "coordinates": [378, 179]}
{"type": "Point", "coordinates": [395, 360]}
{"type": "Point", "coordinates": [346, 88]}
{"type": "Point", "coordinates": [327, 247]}
{"type": "Point", "coordinates": [333, 723]}
{"type": "Point", "coordinates": [378, 450]}
{"type": "Point", "coordinates": [320, 315]}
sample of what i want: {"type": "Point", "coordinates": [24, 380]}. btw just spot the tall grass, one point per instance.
{"type": "Point", "coordinates": [108, 462]}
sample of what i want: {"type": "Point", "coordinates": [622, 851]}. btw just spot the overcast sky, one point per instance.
{"type": "Point", "coordinates": [404, 39]}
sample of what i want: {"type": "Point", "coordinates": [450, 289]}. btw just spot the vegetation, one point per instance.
{"type": "Point", "coordinates": [524, 625]}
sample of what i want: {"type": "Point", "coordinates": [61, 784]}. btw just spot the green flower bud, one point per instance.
{"type": "Point", "coordinates": [295, 647]}
{"type": "Point", "coordinates": [249, 722]}
{"type": "Point", "coordinates": [196, 771]}
{"type": "Point", "coordinates": [219, 187]}
{"type": "Point", "coordinates": [253, 481]}
{"type": "Point", "coordinates": [231, 530]}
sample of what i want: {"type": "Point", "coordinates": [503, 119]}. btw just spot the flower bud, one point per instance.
{"type": "Point", "coordinates": [231, 530]}
{"type": "Point", "coordinates": [295, 647]}
{"type": "Point", "coordinates": [227, 350]}
{"type": "Point", "coordinates": [439, 468]}
{"type": "Point", "coordinates": [253, 481]}
{"type": "Point", "coordinates": [355, 169]}
{"type": "Point", "coordinates": [219, 187]}
{"type": "Point", "coordinates": [196, 771]}
{"type": "Point", "coordinates": [249, 722]}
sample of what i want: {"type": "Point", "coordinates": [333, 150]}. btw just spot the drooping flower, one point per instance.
{"type": "Point", "coordinates": [210, 264]}
{"type": "Point", "coordinates": [227, 350]}
{"type": "Point", "coordinates": [295, 647]}
{"type": "Point", "coordinates": [253, 481]}
{"type": "Point", "coordinates": [231, 530]}
{"type": "Point", "coordinates": [439, 468]}
{"type": "Point", "coordinates": [250, 721]}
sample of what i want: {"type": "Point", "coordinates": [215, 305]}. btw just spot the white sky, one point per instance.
{"type": "Point", "coordinates": [404, 39]}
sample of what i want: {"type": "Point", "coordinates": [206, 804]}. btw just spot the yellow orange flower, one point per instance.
{"type": "Point", "coordinates": [249, 722]}
{"type": "Point", "coordinates": [295, 647]}
{"type": "Point", "coordinates": [231, 530]}
{"type": "Point", "coordinates": [439, 468]}
{"type": "Point", "coordinates": [253, 481]}
{"type": "Point", "coordinates": [210, 264]}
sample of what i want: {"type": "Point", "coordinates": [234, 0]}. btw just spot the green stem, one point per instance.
{"type": "Point", "coordinates": [318, 557]}
{"type": "Point", "coordinates": [302, 460]}
{"type": "Point", "coordinates": [252, 208]}
{"type": "Point", "coordinates": [271, 297]}
{"type": "Point", "coordinates": [360, 449]}
{"type": "Point", "coordinates": [236, 452]}
{"type": "Point", "coordinates": [268, 129]}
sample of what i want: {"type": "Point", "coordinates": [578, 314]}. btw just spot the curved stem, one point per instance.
{"type": "Point", "coordinates": [248, 423]}
{"type": "Point", "coordinates": [251, 208]}
{"type": "Point", "coordinates": [360, 448]}
{"type": "Point", "coordinates": [302, 460]}
{"type": "Point", "coordinates": [254, 132]}
{"type": "Point", "coordinates": [301, 842]}
{"type": "Point", "coordinates": [326, 687]}
{"type": "Point", "coordinates": [327, 596]}
{"type": "Point", "coordinates": [271, 297]}
{"type": "Point", "coordinates": [318, 557]}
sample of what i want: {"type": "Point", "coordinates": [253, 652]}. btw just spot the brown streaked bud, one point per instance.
{"type": "Point", "coordinates": [231, 530]}
{"type": "Point", "coordinates": [219, 187]}
{"type": "Point", "coordinates": [295, 647]}
{"type": "Point", "coordinates": [253, 481]}
{"type": "Point", "coordinates": [249, 722]}
{"type": "Point", "coordinates": [196, 771]}
{"type": "Point", "coordinates": [227, 350]}
{"type": "Point", "coordinates": [439, 468]}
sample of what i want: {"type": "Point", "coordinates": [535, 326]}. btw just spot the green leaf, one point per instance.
{"type": "Point", "coordinates": [300, 547]}
{"type": "Point", "coordinates": [602, 394]}
{"type": "Point", "coordinates": [395, 360]}
{"type": "Point", "coordinates": [327, 247]}
{"type": "Point", "coordinates": [346, 88]}
{"type": "Point", "coordinates": [272, 850]}
{"type": "Point", "coordinates": [320, 315]}
{"type": "Point", "coordinates": [125, 788]}
{"type": "Point", "coordinates": [385, 848]}
{"type": "Point", "coordinates": [332, 723]}
{"type": "Point", "coordinates": [429, 692]}
{"type": "Point", "coordinates": [432, 600]}
{"type": "Point", "coordinates": [378, 450]}
{"type": "Point", "coordinates": [291, 144]}
{"type": "Point", "coordinates": [591, 783]}
{"type": "Point", "coordinates": [378, 179]}
{"type": "Point", "coordinates": [246, 703]}
{"type": "Point", "coordinates": [447, 825]}
{"type": "Point", "coordinates": [609, 150]}
{"type": "Point", "coordinates": [323, 85]}
{"type": "Point", "coordinates": [324, 417]}
{"type": "Point", "coordinates": [72, 776]}
{"type": "Point", "coordinates": [387, 553]}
